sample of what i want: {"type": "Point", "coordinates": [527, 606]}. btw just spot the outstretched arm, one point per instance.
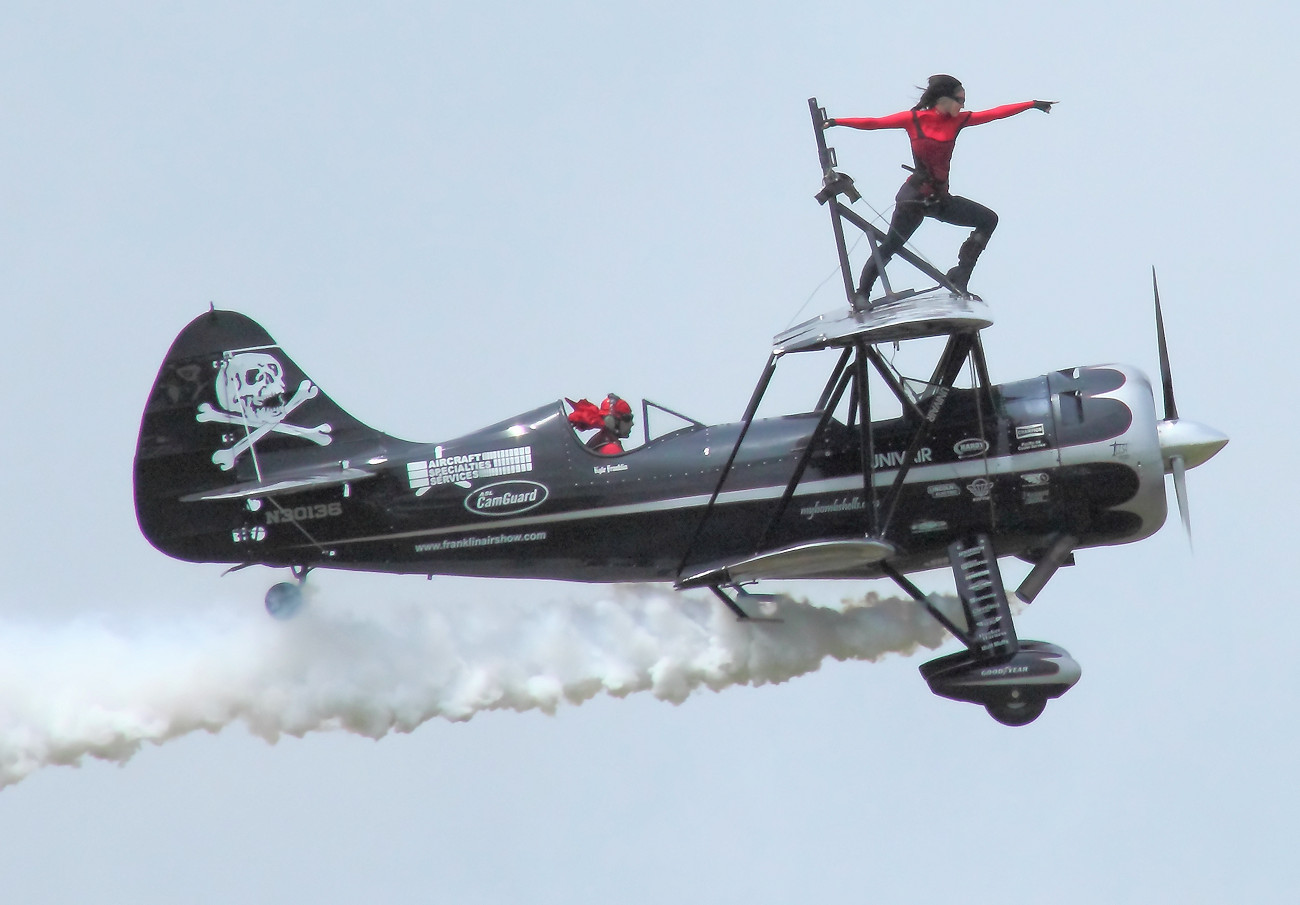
{"type": "Point", "coordinates": [893, 121]}
{"type": "Point", "coordinates": [979, 117]}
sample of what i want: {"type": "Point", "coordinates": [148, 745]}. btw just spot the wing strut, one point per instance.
{"type": "Point", "coordinates": [851, 370]}
{"type": "Point", "coordinates": [746, 422]}
{"type": "Point", "coordinates": [829, 402]}
{"type": "Point", "coordinates": [954, 354]}
{"type": "Point", "coordinates": [868, 441]}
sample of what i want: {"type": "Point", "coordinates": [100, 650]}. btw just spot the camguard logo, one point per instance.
{"type": "Point", "coordinates": [506, 498]}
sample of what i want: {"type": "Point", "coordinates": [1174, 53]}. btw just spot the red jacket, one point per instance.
{"type": "Point", "coordinates": [933, 134]}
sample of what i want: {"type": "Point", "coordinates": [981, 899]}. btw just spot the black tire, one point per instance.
{"type": "Point", "coordinates": [284, 600]}
{"type": "Point", "coordinates": [1018, 709]}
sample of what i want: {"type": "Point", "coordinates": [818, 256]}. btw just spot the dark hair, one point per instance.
{"type": "Point", "coordinates": [939, 86]}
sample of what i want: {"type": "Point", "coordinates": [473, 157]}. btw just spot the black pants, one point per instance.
{"type": "Point", "coordinates": [911, 207]}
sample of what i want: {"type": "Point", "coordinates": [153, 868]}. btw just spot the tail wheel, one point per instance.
{"type": "Point", "coordinates": [284, 599]}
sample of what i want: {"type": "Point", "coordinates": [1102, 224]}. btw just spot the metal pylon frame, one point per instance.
{"type": "Point", "coordinates": [835, 184]}
{"type": "Point", "coordinates": [857, 337]}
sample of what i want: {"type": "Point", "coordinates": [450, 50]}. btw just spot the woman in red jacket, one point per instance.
{"type": "Point", "coordinates": [932, 125]}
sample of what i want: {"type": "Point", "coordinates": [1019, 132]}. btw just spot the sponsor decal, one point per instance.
{"type": "Point", "coordinates": [940, 395]}
{"type": "Point", "coordinates": [423, 476]}
{"type": "Point", "coordinates": [251, 393]}
{"type": "Point", "coordinates": [994, 672]}
{"type": "Point", "coordinates": [1036, 478]}
{"type": "Point", "coordinates": [1031, 444]}
{"type": "Point", "coordinates": [843, 504]}
{"type": "Point", "coordinates": [285, 515]}
{"type": "Point", "coordinates": [507, 498]}
{"type": "Point", "coordinates": [1028, 431]}
{"type": "Point", "coordinates": [467, 543]}
{"type": "Point", "coordinates": [244, 535]}
{"type": "Point", "coordinates": [971, 446]}
{"type": "Point", "coordinates": [606, 469]}
{"type": "Point", "coordinates": [943, 491]}
{"type": "Point", "coordinates": [1031, 497]}
{"type": "Point", "coordinates": [980, 488]}
{"type": "Point", "coordinates": [895, 459]}
{"type": "Point", "coordinates": [928, 526]}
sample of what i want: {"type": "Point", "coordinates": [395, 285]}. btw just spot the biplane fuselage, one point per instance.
{"type": "Point", "coordinates": [242, 459]}
{"type": "Point", "coordinates": [1074, 450]}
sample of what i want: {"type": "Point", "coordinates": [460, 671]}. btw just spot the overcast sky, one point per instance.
{"type": "Point", "coordinates": [451, 213]}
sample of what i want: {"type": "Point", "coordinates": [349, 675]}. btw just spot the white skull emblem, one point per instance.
{"type": "Point", "coordinates": [251, 384]}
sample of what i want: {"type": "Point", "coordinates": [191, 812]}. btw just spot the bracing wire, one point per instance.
{"type": "Point", "coordinates": [879, 218]}
{"type": "Point", "coordinates": [818, 288]}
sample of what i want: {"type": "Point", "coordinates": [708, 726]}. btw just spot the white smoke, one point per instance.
{"type": "Point", "coordinates": [85, 690]}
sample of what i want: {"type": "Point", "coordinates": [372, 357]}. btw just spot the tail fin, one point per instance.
{"type": "Point", "coordinates": [232, 418]}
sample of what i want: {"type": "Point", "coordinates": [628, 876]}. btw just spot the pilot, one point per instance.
{"type": "Point", "coordinates": [612, 421]}
{"type": "Point", "coordinates": [932, 125]}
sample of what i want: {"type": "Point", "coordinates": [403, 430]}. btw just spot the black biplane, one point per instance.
{"type": "Point", "coordinates": [243, 459]}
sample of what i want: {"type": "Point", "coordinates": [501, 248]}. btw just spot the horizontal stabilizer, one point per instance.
{"type": "Point", "coordinates": [808, 560]}
{"type": "Point", "coordinates": [282, 485]}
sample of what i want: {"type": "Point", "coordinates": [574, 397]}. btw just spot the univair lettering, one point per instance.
{"type": "Point", "coordinates": [895, 459]}
{"type": "Point", "coordinates": [940, 395]}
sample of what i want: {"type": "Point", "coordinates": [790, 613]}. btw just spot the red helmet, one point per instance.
{"type": "Point", "coordinates": [617, 414]}
{"type": "Point", "coordinates": [616, 406]}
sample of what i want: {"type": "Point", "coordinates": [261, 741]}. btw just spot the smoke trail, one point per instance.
{"type": "Point", "coordinates": [87, 690]}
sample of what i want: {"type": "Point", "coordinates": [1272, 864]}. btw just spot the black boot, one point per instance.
{"type": "Point", "coordinates": [959, 276]}
{"type": "Point", "coordinates": [967, 255]}
{"type": "Point", "coordinates": [862, 298]}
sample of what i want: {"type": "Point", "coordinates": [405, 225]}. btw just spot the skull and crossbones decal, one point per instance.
{"type": "Point", "coordinates": [251, 389]}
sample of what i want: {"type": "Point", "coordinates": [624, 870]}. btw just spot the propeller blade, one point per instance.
{"type": "Point", "coordinates": [1180, 489]}
{"type": "Point", "coordinates": [1166, 378]}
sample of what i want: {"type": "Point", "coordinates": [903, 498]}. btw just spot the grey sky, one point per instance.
{"type": "Point", "coordinates": [450, 213]}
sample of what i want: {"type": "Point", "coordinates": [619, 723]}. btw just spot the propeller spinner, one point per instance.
{"type": "Point", "coordinates": [1183, 444]}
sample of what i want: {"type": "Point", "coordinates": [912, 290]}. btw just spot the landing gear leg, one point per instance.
{"type": "Point", "coordinates": [1012, 679]}
{"type": "Point", "coordinates": [284, 599]}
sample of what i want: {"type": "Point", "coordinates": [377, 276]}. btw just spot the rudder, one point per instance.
{"type": "Point", "coordinates": [230, 412]}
